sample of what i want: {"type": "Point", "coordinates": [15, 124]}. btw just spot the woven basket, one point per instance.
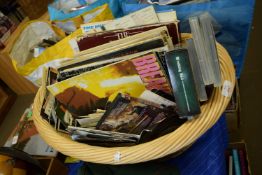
{"type": "Point", "coordinates": [171, 143]}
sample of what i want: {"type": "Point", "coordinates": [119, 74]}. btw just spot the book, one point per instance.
{"type": "Point", "coordinates": [182, 82]}
{"type": "Point", "coordinates": [83, 94]}
{"type": "Point", "coordinates": [201, 51]}
{"type": "Point", "coordinates": [203, 35]}
{"type": "Point", "coordinates": [243, 162]}
{"type": "Point", "coordinates": [194, 62]}
{"type": "Point", "coordinates": [211, 49]}
{"type": "Point", "coordinates": [230, 165]}
{"type": "Point", "coordinates": [236, 162]}
{"type": "Point", "coordinates": [25, 137]}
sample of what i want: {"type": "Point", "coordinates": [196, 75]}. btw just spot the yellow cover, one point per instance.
{"type": "Point", "coordinates": [92, 90]}
{"type": "Point", "coordinates": [31, 68]}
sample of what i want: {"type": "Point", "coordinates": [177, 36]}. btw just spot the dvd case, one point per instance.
{"type": "Point", "coordinates": [200, 86]}
{"type": "Point", "coordinates": [199, 42]}
{"type": "Point", "coordinates": [210, 45]}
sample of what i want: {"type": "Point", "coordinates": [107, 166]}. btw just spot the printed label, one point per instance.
{"type": "Point", "coordinates": [117, 156]}
{"type": "Point", "coordinates": [15, 139]}
{"type": "Point", "coordinates": [227, 88]}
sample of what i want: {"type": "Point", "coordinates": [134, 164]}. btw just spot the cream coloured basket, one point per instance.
{"type": "Point", "coordinates": [168, 144]}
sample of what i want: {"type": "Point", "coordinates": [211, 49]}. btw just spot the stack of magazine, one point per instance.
{"type": "Point", "coordinates": [132, 80]}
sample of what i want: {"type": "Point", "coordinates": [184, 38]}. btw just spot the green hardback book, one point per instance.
{"type": "Point", "coordinates": [182, 81]}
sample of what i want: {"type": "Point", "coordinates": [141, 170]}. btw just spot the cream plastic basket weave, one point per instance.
{"type": "Point", "coordinates": [168, 144]}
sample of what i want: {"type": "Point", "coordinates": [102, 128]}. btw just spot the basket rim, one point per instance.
{"type": "Point", "coordinates": [170, 143]}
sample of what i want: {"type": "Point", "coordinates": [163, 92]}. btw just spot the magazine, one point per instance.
{"type": "Point", "coordinates": [87, 92]}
